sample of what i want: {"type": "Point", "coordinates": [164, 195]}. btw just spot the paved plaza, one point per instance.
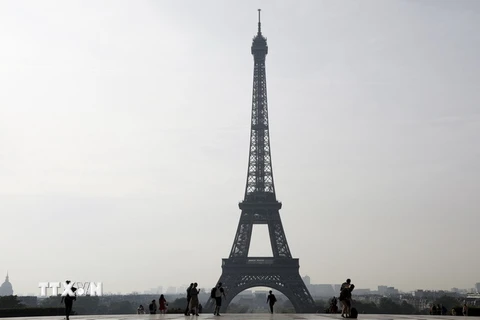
{"type": "Point", "coordinates": [260, 316]}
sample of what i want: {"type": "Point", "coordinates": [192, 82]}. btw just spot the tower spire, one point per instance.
{"type": "Point", "coordinates": [259, 23]}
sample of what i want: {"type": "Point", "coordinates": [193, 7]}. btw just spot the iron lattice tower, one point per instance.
{"type": "Point", "coordinates": [260, 206]}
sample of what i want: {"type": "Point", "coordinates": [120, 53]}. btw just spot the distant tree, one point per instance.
{"type": "Point", "coordinates": [86, 305]}
{"type": "Point", "coordinates": [102, 309]}
{"type": "Point", "coordinates": [407, 308]}
{"type": "Point", "coordinates": [178, 303]}
{"type": "Point", "coordinates": [10, 302]}
{"type": "Point", "coordinates": [366, 307]}
{"type": "Point", "coordinates": [52, 301]}
{"type": "Point", "coordinates": [448, 302]}
{"type": "Point", "coordinates": [121, 307]}
{"type": "Point", "coordinates": [388, 306]}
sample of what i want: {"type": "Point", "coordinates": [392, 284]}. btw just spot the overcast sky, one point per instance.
{"type": "Point", "coordinates": [124, 132]}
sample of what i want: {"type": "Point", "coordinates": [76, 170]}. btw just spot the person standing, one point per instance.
{"type": "Point", "coordinates": [343, 300]}
{"type": "Point", "coordinates": [219, 292]}
{"type": "Point", "coordinates": [346, 300]}
{"type": "Point", "coordinates": [194, 299]}
{"type": "Point", "coordinates": [187, 310]}
{"type": "Point", "coordinates": [69, 298]}
{"type": "Point", "coordinates": [162, 304]}
{"type": "Point", "coordinates": [333, 305]}
{"type": "Point", "coordinates": [271, 301]}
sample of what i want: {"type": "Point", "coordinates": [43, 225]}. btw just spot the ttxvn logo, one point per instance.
{"type": "Point", "coordinates": [71, 288]}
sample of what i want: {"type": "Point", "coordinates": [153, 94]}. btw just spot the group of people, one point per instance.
{"type": "Point", "coordinates": [346, 299]}
{"type": "Point", "coordinates": [193, 304]}
{"type": "Point", "coordinates": [152, 307]}
{"type": "Point", "coordinates": [438, 309]}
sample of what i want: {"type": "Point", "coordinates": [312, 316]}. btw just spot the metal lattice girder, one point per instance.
{"type": "Point", "coordinates": [279, 275]}
{"type": "Point", "coordinates": [260, 173]}
{"type": "Point", "coordinates": [260, 214]}
{"type": "Point", "coordinates": [260, 206]}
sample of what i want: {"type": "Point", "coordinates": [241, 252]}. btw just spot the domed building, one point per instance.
{"type": "Point", "coordinates": [6, 288]}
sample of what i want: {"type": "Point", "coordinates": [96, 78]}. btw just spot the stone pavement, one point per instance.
{"type": "Point", "coordinates": [248, 316]}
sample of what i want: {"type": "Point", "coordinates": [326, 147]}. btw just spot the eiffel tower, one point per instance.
{"type": "Point", "coordinates": [260, 206]}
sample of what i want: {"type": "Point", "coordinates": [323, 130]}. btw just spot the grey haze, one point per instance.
{"type": "Point", "coordinates": [124, 131]}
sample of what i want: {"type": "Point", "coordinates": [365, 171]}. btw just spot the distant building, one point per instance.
{"type": "Point", "coordinates": [477, 287]}
{"type": "Point", "coordinates": [6, 288]}
{"type": "Point", "coordinates": [321, 290]}
{"type": "Point", "coordinates": [391, 291]}
{"type": "Point", "coordinates": [382, 290]}
{"type": "Point", "coordinates": [419, 294]}
{"type": "Point", "coordinates": [362, 292]}
{"type": "Point", "coordinates": [261, 295]}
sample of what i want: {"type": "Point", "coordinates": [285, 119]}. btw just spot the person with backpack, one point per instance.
{"type": "Point", "coordinates": [152, 307]}
{"type": "Point", "coordinates": [271, 300]}
{"type": "Point", "coordinates": [217, 293]}
{"type": "Point", "coordinates": [187, 310]}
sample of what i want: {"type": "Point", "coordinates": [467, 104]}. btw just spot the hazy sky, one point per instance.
{"type": "Point", "coordinates": [124, 132]}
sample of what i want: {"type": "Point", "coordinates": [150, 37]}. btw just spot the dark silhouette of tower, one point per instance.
{"type": "Point", "coordinates": [260, 206]}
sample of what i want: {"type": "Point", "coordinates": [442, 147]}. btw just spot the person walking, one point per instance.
{"type": "Point", "coordinates": [271, 300]}
{"type": "Point", "coordinates": [68, 299]}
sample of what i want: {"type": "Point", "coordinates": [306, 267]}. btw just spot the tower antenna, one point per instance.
{"type": "Point", "coordinates": [259, 23]}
